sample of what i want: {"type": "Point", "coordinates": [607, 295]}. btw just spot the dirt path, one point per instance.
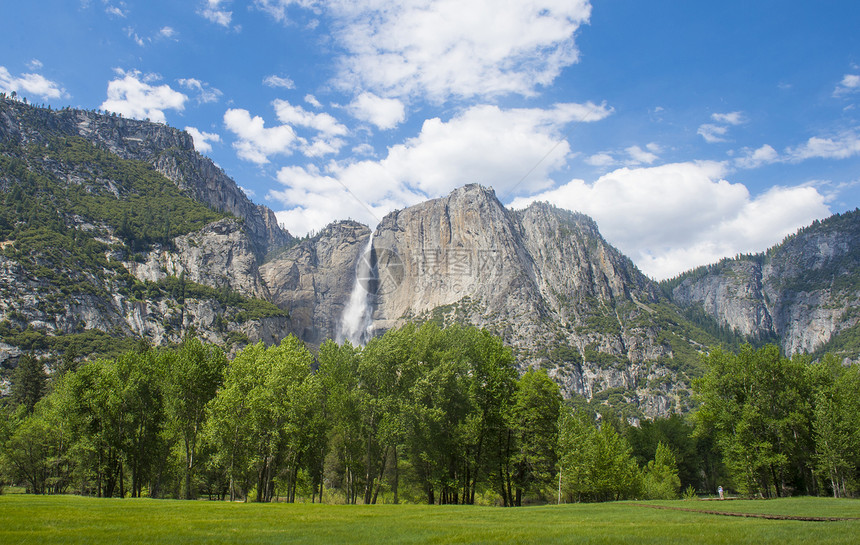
{"type": "Point", "coordinates": [750, 515]}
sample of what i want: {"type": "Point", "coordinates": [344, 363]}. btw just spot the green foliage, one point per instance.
{"type": "Point", "coordinates": [777, 421]}
{"type": "Point", "coordinates": [836, 426]}
{"type": "Point", "coordinates": [424, 404]}
{"type": "Point", "coordinates": [260, 421]}
{"type": "Point", "coordinates": [420, 414]}
{"type": "Point", "coordinates": [660, 478]}
{"type": "Point", "coordinates": [34, 452]}
{"type": "Point", "coordinates": [139, 204]}
{"type": "Point", "coordinates": [845, 343]}
{"type": "Point", "coordinates": [28, 382]}
{"type": "Point", "coordinates": [534, 420]}
{"type": "Point", "coordinates": [675, 433]}
{"type": "Point", "coordinates": [92, 343]}
{"type": "Point", "coordinates": [690, 493]}
{"type": "Point", "coordinates": [180, 289]}
{"type": "Point", "coordinates": [195, 373]}
{"type": "Point", "coordinates": [596, 462]}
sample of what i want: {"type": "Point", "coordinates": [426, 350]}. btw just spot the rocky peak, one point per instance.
{"type": "Point", "coordinates": [802, 291]}
{"type": "Point", "coordinates": [169, 150]}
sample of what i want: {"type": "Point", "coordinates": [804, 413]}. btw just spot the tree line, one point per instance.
{"type": "Point", "coordinates": [419, 414]}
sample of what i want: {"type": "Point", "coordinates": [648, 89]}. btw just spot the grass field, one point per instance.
{"type": "Point", "coordinates": [72, 519]}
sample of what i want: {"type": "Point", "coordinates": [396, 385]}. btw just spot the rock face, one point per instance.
{"type": "Point", "coordinates": [137, 292]}
{"type": "Point", "coordinates": [742, 286]}
{"type": "Point", "coordinates": [803, 292]}
{"type": "Point", "coordinates": [542, 278]}
{"type": "Point", "coordinates": [163, 320]}
{"type": "Point", "coordinates": [313, 279]}
{"type": "Point", "coordinates": [220, 255]}
{"type": "Point", "coordinates": [209, 184]}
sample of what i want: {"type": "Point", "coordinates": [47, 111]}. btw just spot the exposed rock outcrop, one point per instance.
{"type": "Point", "coordinates": [542, 278]}
{"type": "Point", "coordinates": [803, 292]}
{"type": "Point", "coordinates": [313, 279]}
{"type": "Point", "coordinates": [219, 255]}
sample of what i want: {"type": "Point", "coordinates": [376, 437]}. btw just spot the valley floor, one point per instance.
{"type": "Point", "coordinates": [73, 519]}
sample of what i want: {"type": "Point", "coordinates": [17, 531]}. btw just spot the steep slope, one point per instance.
{"type": "Point", "coordinates": [114, 229]}
{"type": "Point", "coordinates": [312, 280]}
{"type": "Point", "coordinates": [170, 151]}
{"type": "Point", "coordinates": [542, 278]}
{"type": "Point", "coordinates": [96, 243]}
{"type": "Point", "coordinates": [804, 292]}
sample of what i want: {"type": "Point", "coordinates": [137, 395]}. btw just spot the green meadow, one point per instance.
{"type": "Point", "coordinates": [74, 519]}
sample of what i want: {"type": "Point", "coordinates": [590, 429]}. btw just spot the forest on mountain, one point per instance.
{"type": "Point", "coordinates": [420, 414]}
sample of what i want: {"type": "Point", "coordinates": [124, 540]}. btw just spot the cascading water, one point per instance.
{"type": "Point", "coordinates": [356, 322]}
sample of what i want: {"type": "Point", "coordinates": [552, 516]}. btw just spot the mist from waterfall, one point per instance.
{"type": "Point", "coordinates": [356, 322]}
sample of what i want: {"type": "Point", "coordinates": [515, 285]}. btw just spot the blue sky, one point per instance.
{"type": "Point", "coordinates": [689, 130]}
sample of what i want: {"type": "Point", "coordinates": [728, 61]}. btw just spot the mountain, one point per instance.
{"type": "Point", "coordinates": [115, 231]}
{"type": "Point", "coordinates": [542, 278]}
{"type": "Point", "coordinates": [169, 151]}
{"type": "Point", "coordinates": [803, 293]}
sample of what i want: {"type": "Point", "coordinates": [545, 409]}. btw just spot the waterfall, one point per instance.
{"type": "Point", "coordinates": [356, 322]}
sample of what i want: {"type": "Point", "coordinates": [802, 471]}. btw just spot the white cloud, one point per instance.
{"type": "Point", "coordinates": [202, 139]}
{"type": "Point", "coordinates": [329, 131]}
{"type": "Point", "coordinates": [511, 150]}
{"type": "Point", "coordinates": [639, 156]}
{"type": "Point", "coordinates": [449, 48]}
{"type": "Point", "coordinates": [731, 118]}
{"type": "Point", "coordinates": [364, 149]}
{"type": "Point", "coordinates": [315, 199]}
{"type": "Point", "coordinates": [712, 133]}
{"type": "Point", "coordinates": [842, 146]}
{"type": "Point", "coordinates": [205, 92]}
{"type": "Point", "coordinates": [312, 100]}
{"type": "Point", "coordinates": [31, 84]}
{"type": "Point", "coordinates": [674, 217]}
{"type": "Point", "coordinates": [716, 133]}
{"type": "Point", "coordinates": [600, 160]}
{"type": "Point", "coordinates": [167, 32]}
{"type": "Point", "coordinates": [385, 113]}
{"type": "Point", "coordinates": [213, 12]}
{"type": "Point", "coordinates": [278, 81]}
{"type": "Point", "coordinates": [110, 9]}
{"type": "Point", "coordinates": [764, 155]}
{"type": "Point", "coordinates": [635, 156]}
{"type": "Point", "coordinates": [256, 143]}
{"type": "Point", "coordinates": [35, 64]}
{"type": "Point", "coordinates": [132, 33]}
{"type": "Point", "coordinates": [133, 96]}
{"type": "Point", "coordinates": [250, 193]}
{"type": "Point", "coordinates": [850, 84]}
{"type": "Point", "coordinates": [296, 115]}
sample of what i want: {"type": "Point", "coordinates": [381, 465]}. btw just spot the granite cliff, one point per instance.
{"type": "Point", "coordinates": [114, 230]}
{"type": "Point", "coordinates": [542, 278]}
{"type": "Point", "coordinates": [803, 293]}
{"type": "Point", "coordinates": [117, 229]}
